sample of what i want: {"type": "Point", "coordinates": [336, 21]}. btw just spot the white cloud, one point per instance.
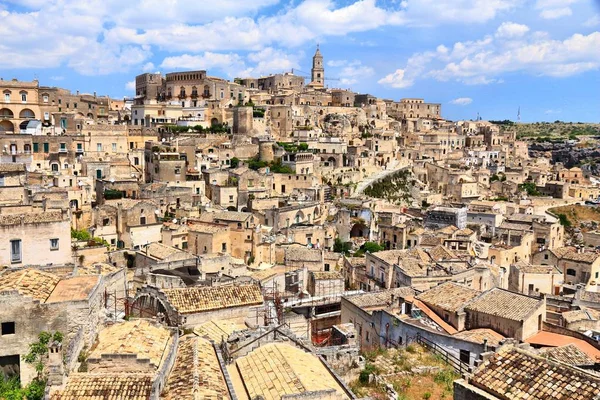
{"type": "Point", "coordinates": [354, 72]}
{"type": "Point", "coordinates": [396, 80]}
{"type": "Point", "coordinates": [485, 61]}
{"type": "Point", "coordinates": [554, 13]}
{"type": "Point", "coordinates": [511, 30]}
{"type": "Point", "coordinates": [592, 21]}
{"type": "Point", "coordinates": [337, 63]}
{"type": "Point", "coordinates": [149, 66]}
{"type": "Point", "coordinates": [552, 111]}
{"type": "Point", "coordinates": [106, 36]}
{"type": "Point", "coordinates": [229, 62]}
{"type": "Point", "coordinates": [553, 9]}
{"type": "Point", "coordinates": [130, 86]}
{"type": "Point", "coordinates": [462, 101]}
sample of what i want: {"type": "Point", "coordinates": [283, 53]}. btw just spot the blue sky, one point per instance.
{"type": "Point", "coordinates": [473, 56]}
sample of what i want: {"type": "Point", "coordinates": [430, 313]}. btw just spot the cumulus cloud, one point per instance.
{"type": "Point", "coordinates": [462, 101]}
{"type": "Point", "coordinates": [229, 62]}
{"type": "Point", "coordinates": [592, 21]}
{"type": "Point", "coordinates": [107, 36]}
{"type": "Point", "coordinates": [555, 13]}
{"type": "Point", "coordinates": [130, 86]}
{"type": "Point", "coordinates": [354, 72]}
{"type": "Point", "coordinates": [396, 79]}
{"type": "Point", "coordinates": [511, 30]}
{"type": "Point", "coordinates": [553, 9]}
{"type": "Point", "coordinates": [485, 61]}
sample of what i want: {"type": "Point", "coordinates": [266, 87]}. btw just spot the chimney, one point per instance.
{"type": "Point", "coordinates": [94, 94]}
{"type": "Point", "coordinates": [55, 364]}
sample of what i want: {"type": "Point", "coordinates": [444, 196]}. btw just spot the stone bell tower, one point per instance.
{"type": "Point", "coordinates": [317, 71]}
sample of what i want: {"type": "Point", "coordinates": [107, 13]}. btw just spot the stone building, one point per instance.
{"type": "Point", "coordinates": [35, 238]}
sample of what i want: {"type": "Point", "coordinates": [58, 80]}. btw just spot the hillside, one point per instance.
{"type": "Point", "coordinates": [551, 130]}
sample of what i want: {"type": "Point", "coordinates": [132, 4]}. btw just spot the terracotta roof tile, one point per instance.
{"type": "Point", "coordinates": [278, 369]}
{"type": "Point", "coordinates": [448, 296]}
{"type": "Point", "coordinates": [504, 304]}
{"type": "Point", "coordinates": [30, 282]}
{"type": "Point", "coordinates": [197, 373]}
{"type": "Point", "coordinates": [515, 374]}
{"type": "Point", "coordinates": [199, 299]}
{"type": "Point", "coordinates": [86, 386]}
{"type": "Point", "coordinates": [140, 337]}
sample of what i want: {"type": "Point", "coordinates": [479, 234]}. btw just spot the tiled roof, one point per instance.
{"type": "Point", "coordinates": [379, 300]}
{"type": "Point", "coordinates": [357, 261]}
{"type": "Point", "coordinates": [439, 253]}
{"type": "Point", "coordinates": [161, 251]}
{"type": "Point", "coordinates": [217, 330]}
{"type": "Point", "coordinates": [84, 386]}
{"type": "Point", "coordinates": [515, 374]}
{"type": "Point", "coordinates": [447, 230]}
{"type": "Point", "coordinates": [551, 339]}
{"type": "Point", "coordinates": [586, 257]}
{"type": "Point", "coordinates": [430, 240]}
{"type": "Point", "coordinates": [448, 296]}
{"type": "Point", "coordinates": [568, 354]}
{"type": "Point", "coordinates": [199, 299]}
{"type": "Point", "coordinates": [30, 282]}
{"type": "Point", "coordinates": [141, 337]}
{"type": "Point", "coordinates": [98, 268]}
{"type": "Point", "coordinates": [479, 335]}
{"type": "Point", "coordinates": [32, 218]}
{"type": "Point", "coordinates": [197, 373]}
{"type": "Point", "coordinates": [537, 269]}
{"type": "Point", "coordinates": [278, 369]}
{"type": "Point", "coordinates": [585, 314]}
{"type": "Point", "coordinates": [326, 275]}
{"type": "Point", "coordinates": [73, 289]}
{"type": "Point", "coordinates": [12, 167]}
{"type": "Point", "coordinates": [298, 253]}
{"type": "Point", "coordinates": [504, 304]}
{"type": "Point", "coordinates": [561, 251]}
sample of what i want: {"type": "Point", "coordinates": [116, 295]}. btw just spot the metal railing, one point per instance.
{"type": "Point", "coordinates": [450, 359]}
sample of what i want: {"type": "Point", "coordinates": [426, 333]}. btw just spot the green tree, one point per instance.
{"type": "Point", "coordinates": [234, 162]}
{"type": "Point", "coordinates": [530, 188]}
{"type": "Point", "coordinates": [38, 350]}
{"type": "Point", "coordinates": [564, 220]}
{"type": "Point", "coordinates": [341, 247]}
{"type": "Point", "coordinates": [303, 146]}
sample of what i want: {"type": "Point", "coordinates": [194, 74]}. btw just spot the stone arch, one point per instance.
{"type": "Point", "coordinates": [359, 230]}
{"type": "Point", "coordinates": [147, 305]}
{"type": "Point", "coordinates": [6, 126]}
{"type": "Point", "coordinates": [332, 162]}
{"type": "Point", "coordinates": [214, 122]}
{"type": "Point", "coordinates": [299, 217]}
{"type": "Point", "coordinates": [6, 113]}
{"type": "Point", "coordinates": [26, 113]}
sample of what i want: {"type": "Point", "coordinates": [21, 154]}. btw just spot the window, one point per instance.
{"type": "Point", "coordinates": [7, 97]}
{"type": "Point", "coordinates": [184, 245]}
{"type": "Point", "coordinates": [465, 356]}
{"type": "Point", "coordinates": [136, 161]}
{"type": "Point", "coordinates": [45, 98]}
{"type": "Point", "coordinates": [24, 97]}
{"type": "Point", "coordinates": [79, 147]}
{"type": "Point", "coordinates": [36, 147]}
{"type": "Point", "coordinates": [46, 148]}
{"type": "Point", "coordinates": [223, 247]}
{"type": "Point", "coordinates": [142, 220]}
{"type": "Point", "coordinates": [46, 116]}
{"type": "Point", "coordinates": [8, 328]}
{"type": "Point", "coordinates": [99, 147]}
{"type": "Point", "coordinates": [63, 148]}
{"type": "Point", "coordinates": [105, 221]}
{"type": "Point", "coordinates": [571, 272]}
{"type": "Point", "coordinates": [114, 147]}
{"type": "Point", "coordinates": [53, 244]}
{"type": "Point", "coordinates": [15, 251]}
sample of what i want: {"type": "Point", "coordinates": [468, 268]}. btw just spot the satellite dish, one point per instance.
{"type": "Point", "coordinates": [162, 140]}
{"type": "Point", "coordinates": [112, 180]}
{"type": "Point", "coordinates": [174, 220]}
{"type": "Point", "coordinates": [157, 212]}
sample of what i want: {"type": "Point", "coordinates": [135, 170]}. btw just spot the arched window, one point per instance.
{"type": "Point", "coordinates": [26, 113]}
{"type": "Point", "coordinates": [23, 94]}
{"type": "Point", "coordinates": [5, 113]}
